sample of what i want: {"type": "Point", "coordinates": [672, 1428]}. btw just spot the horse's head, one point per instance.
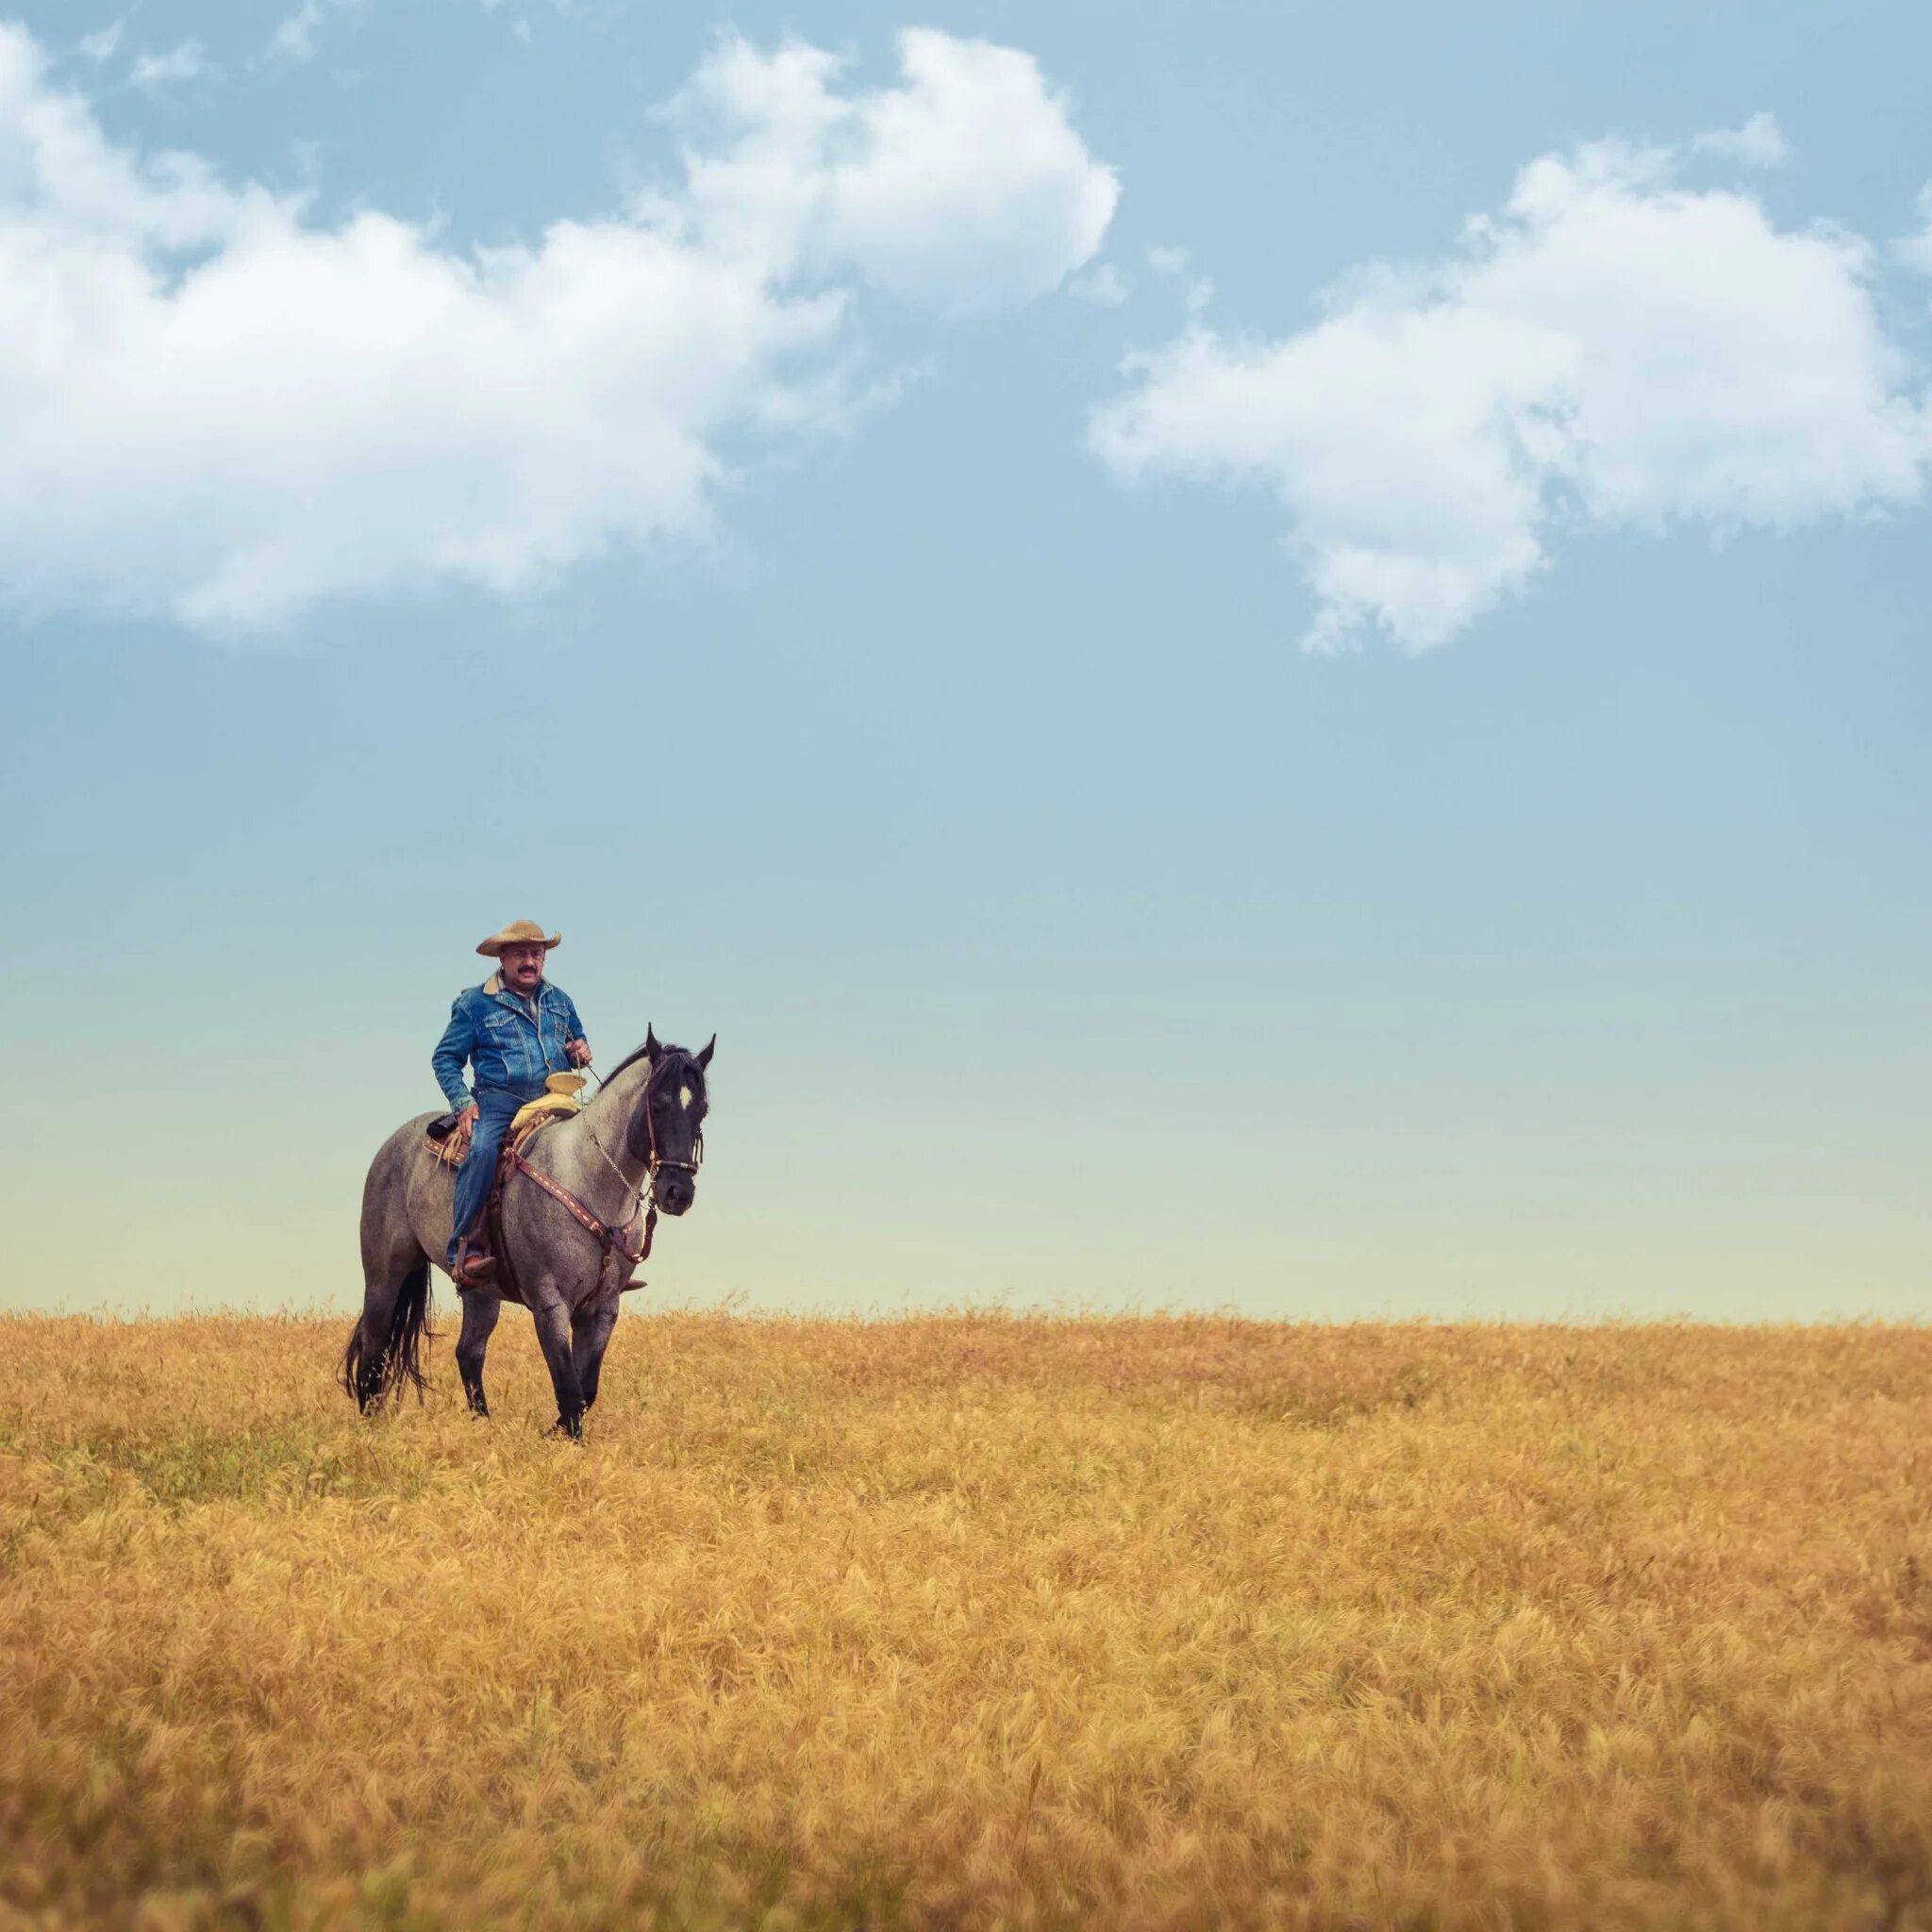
{"type": "Point", "coordinates": [667, 1127]}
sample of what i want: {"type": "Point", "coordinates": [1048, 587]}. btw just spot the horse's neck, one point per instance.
{"type": "Point", "coordinates": [593, 1148]}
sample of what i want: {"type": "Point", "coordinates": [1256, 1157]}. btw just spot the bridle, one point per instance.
{"type": "Point", "coordinates": [655, 1162]}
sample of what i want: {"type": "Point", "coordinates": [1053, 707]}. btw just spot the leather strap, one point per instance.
{"type": "Point", "coordinates": [616, 1240]}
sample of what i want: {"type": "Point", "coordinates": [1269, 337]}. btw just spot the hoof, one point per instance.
{"type": "Point", "coordinates": [572, 1431]}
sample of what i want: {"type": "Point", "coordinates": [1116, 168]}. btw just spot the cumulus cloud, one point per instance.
{"type": "Point", "coordinates": [966, 188]}
{"type": "Point", "coordinates": [1613, 349]}
{"type": "Point", "coordinates": [213, 407]}
{"type": "Point", "coordinates": [1759, 143]}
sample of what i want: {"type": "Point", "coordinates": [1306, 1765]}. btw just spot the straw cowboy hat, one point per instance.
{"type": "Point", "coordinates": [518, 932]}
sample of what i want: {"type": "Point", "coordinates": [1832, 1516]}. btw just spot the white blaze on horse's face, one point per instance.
{"type": "Point", "coordinates": [684, 1098]}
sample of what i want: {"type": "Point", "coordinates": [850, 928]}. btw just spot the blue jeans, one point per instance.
{"type": "Point", "coordinates": [495, 1106]}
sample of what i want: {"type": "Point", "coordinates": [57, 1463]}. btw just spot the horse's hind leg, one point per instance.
{"type": "Point", "coordinates": [365, 1361]}
{"type": "Point", "coordinates": [480, 1311]}
{"type": "Point", "coordinates": [384, 1343]}
{"type": "Point", "coordinates": [395, 1274]}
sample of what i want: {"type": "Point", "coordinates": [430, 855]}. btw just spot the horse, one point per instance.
{"type": "Point", "coordinates": [589, 1173]}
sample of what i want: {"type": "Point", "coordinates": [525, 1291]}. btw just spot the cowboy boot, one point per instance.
{"type": "Point", "coordinates": [474, 1267]}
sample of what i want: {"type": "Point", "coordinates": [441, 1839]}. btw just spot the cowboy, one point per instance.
{"type": "Point", "coordinates": [514, 1030]}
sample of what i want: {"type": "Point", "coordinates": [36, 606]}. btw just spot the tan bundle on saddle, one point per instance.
{"type": "Point", "coordinates": [557, 1101]}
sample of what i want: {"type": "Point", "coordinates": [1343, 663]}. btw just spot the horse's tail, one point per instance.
{"type": "Point", "coordinates": [401, 1357]}
{"type": "Point", "coordinates": [409, 1328]}
{"type": "Point", "coordinates": [350, 1373]}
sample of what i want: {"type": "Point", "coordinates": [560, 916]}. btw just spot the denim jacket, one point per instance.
{"type": "Point", "coordinates": [492, 1028]}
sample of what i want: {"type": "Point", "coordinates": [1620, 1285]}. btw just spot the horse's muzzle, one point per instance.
{"type": "Point", "coordinates": [674, 1193]}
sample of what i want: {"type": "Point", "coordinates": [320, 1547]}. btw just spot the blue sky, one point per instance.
{"type": "Point", "coordinates": [857, 579]}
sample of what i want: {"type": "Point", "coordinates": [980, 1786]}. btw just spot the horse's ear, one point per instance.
{"type": "Point", "coordinates": [705, 1052]}
{"type": "Point", "coordinates": [650, 1045]}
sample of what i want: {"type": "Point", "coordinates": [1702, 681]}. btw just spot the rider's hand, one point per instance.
{"type": "Point", "coordinates": [466, 1121]}
{"type": "Point", "coordinates": [578, 1052]}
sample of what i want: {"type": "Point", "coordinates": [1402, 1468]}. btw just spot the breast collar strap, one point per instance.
{"type": "Point", "coordinates": [622, 1240]}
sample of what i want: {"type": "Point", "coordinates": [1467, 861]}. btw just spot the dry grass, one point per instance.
{"type": "Point", "coordinates": [973, 1621]}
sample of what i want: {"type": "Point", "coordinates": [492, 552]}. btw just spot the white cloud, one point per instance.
{"type": "Point", "coordinates": [215, 408]}
{"type": "Point", "coordinates": [62, 187]}
{"type": "Point", "coordinates": [1612, 349]}
{"type": "Point", "coordinates": [1916, 250]}
{"type": "Point", "coordinates": [101, 45]}
{"type": "Point", "coordinates": [966, 188]}
{"type": "Point", "coordinates": [156, 71]}
{"type": "Point", "coordinates": [1103, 285]}
{"type": "Point", "coordinates": [1759, 143]}
{"type": "Point", "coordinates": [293, 41]}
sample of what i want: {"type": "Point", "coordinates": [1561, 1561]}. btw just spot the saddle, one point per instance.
{"type": "Point", "coordinates": [557, 1101]}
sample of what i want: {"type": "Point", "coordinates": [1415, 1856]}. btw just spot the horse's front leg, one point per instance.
{"type": "Point", "coordinates": [589, 1327]}
{"type": "Point", "coordinates": [480, 1311]}
{"type": "Point", "coordinates": [553, 1335]}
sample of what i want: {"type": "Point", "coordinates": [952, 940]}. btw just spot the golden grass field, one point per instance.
{"type": "Point", "coordinates": [971, 1620]}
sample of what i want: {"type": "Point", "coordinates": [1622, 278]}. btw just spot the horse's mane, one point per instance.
{"type": "Point", "coordinates": [665, 1054]}
{"type": "Point", "coordinates": [631, 1058]}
